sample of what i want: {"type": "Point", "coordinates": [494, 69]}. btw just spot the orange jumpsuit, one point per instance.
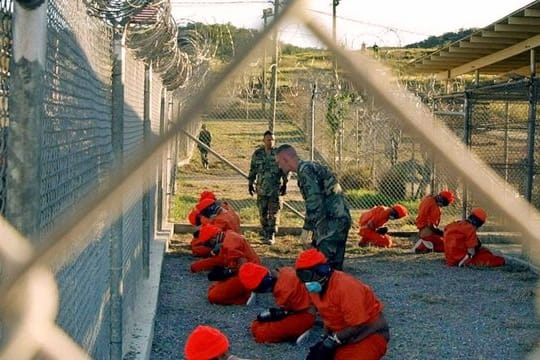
{"type": "Point", "coordinates": [458, 237]}
{"type": "Point", "coordinates": [348, 302]}
{"type": "Point", "coordinates": [369, 222]}
{"type": "Point", "coordinates": [225, 220]}
{"type": "Point", "coordinates": [429, 214]}
{"type": "Point", "coordinates": [230, 291]}
{"type": "Point", "coordinates": [290, 294]}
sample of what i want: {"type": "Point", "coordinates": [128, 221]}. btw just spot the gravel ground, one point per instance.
{"type": "Point", "coordinates": [434, 312]}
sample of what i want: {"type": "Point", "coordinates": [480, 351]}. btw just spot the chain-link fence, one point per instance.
{"type": "Point", "coordinates": [498, 124]}
{"type": "Point", "coordinates": [96, 87]}
{"type": "Point", "coordinates": [82, 162]}
{"type": "Point", "coordinates": [378, 162]}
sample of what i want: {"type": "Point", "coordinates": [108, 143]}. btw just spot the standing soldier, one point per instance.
{"type": "Point", "coordinates": [269, 182]}
{"type": "Point", "coordinates": [205, 136]}
{"type": "Point", "coordinates": [327, 214]}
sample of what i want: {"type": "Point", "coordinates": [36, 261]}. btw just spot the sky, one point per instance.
{"type": "Point", "coordinates": [381, 22]}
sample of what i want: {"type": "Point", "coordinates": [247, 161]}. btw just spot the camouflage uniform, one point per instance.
{"type": "Point", "coordinates": [265, 172]}
{"type": "Point", "coordinates": [327, 212]}
{"type": "Point", "coordinates": [205, 136]}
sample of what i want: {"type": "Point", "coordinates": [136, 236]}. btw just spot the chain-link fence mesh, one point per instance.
{"type": "Point", "coordinates": [6, 9]}
{"type": "Point", "coordinates": [379, 153]}
{"type": "Point", "coordinates": [95, 106]}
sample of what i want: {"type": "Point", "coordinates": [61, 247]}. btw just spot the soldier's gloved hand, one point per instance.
{"type": "Point", "coordinates": [219, 273]}
{"type": "Point", "coordinates": [272, 314]}
{"type": "Point", "coordinates": [283, 190]}
{"type": "Point", "coordinates": [382, 230]}
{"type": "Point", "coordinates": [305, 237]}
{"type": "Point", "coordinates": [251, 189]}
{"type": "Point", "coordinates": [324, 349]}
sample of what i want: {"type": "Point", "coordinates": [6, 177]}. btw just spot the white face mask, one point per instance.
{"type": "Point", "coordinates": [313, 286]}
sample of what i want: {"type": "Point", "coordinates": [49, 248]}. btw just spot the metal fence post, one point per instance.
{"type": "Point", "coordinates": [24, 140]}
{"type": "Point", "coordinates": [531, 127]}
{"type": "Point", "coordinates": [312, 124]}
{"type": "Point", "coordinates": [117, 231]}
{"type": "Point", "coordinates": [467, 110]}
{"type": "Point", "coordinates": [147, 133]}
{"type": "Point", "coordinates": [159, 201]}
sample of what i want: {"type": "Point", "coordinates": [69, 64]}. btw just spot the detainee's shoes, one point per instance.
{"type": "Point", "coordinates": [302, 337]}
{"type": "Point", "coordinates": [251, 299]}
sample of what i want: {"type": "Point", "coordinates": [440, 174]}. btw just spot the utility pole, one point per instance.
{"type": "Point", "coordinates": [266, 13]}
{"type": "Point", "coordinates": [335, 3]}
{"type": "Point", "coordinates": [274, 69]}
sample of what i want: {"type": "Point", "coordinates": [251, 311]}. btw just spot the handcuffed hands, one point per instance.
{"type": "Point", "coordinates": [272, 314]}
{"type": "Point", "coordinates": [324, 349]}
{"type": "Point", "coordinates": [382, 230]}
{"type": "Point", "coordinates": [219, 273]}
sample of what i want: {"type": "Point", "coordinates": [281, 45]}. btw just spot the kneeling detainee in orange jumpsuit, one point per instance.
{"type": "Point", "coordinates": [461, 244]}
{"type": "Point", "coordinates": [231, 251]}
{"type": "Point", "coordinates": [213, 211]}
{"type": "Point", "coordinates": [355, 327]}
{"type": "Point", "coordinates": [293, 318]}
{"type": "Point", "coordinates": [372, 229]}
{"type": "Point", "coordinates": [427, 222]}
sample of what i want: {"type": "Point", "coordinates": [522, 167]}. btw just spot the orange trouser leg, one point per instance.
{"type": "Point", "coordinates": [228, 292]}
{"type": "Point", "coordinates": [285, 329]}
{"type": "Point", "coordinates": [206, 264]}
{"type": "Point", "coordinates": [369, 236]}
{"type": "Point", "coordinates": [436, 240]}
{"type": "Point", "coordinates": [200, 250]}
{"type": "Point", "coordinates": [484, 257]}
{"type": "Point", "coordinates": [371, 348]}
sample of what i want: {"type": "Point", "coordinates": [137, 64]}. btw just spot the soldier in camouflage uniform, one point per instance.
{"type": "Point", "coordinates": [205, 136]}
{"type": "Point", "coordinates": [269, 182]}
{"type": "Point", "coordinates": [327, 214]}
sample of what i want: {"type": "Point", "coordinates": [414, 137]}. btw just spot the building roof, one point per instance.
{"type": "Point", "coordinates": [499, 48]}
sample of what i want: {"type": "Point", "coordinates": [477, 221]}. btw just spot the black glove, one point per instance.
{"type": "Point", "coordinates": [219, 273]}
{"type": "Point", "coordinates": [251, 189]}
{"type": "Point", "coordinates": [382, 230]}
{"type": "Point", "coordinates": [438, 231]}
{"type": "Point", "coordinates": [323, 350]}
{"type": "Point", "coordinates": [283, 189]}
{"type": "Point", "coordinates": [477, 247]}
{"type": "Point", "coordinates": [272, 314]}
